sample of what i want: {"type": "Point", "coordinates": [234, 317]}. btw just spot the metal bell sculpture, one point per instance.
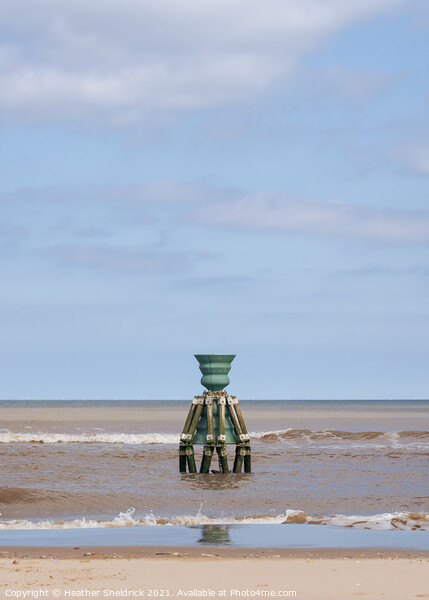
{"type": "Point", "coordinates": [215, 420]}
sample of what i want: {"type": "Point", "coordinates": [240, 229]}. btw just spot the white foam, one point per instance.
{"type": "Point", "coordinates": [124, 519]}
{"type": "Point", "coordinates": [89, 438]}
{"type": "Point", "coordinates": [256, 435]}
{"type": "Point", "coordinates": [7, 437]}
{"type": "Point", "coordinates": [290, 437]}
{"type": "Point", "coordinates": [381, 522]}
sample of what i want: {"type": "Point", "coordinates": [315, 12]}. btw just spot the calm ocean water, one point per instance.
{"type": "Point", "coordinates": [361, 464]}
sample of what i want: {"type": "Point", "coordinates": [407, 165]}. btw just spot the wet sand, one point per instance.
{"type": "Point", "coordinates": [58, 552]}
{"type": "Point", "coordinates": [334, 574]}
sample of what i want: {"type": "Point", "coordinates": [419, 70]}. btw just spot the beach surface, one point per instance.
{"type": "Point", "coordinates": [214, 573]}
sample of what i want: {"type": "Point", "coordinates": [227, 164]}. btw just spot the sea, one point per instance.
{"type": "Point", "coordinates": [108, 463]}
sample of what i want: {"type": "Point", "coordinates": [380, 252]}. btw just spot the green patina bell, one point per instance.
{"type": "Point", "coordinates": [200, 436]}
{"type": "Point", "coordinates": [215, 369]}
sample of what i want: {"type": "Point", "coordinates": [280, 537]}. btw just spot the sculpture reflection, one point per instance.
{"type": "Point", "coordinates": [214, 535]}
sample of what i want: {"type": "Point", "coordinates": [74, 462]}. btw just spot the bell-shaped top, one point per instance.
{"type": "Point", "coordinates": [200, 436]}
{"type": "Point", "coordinates": [215, 369]}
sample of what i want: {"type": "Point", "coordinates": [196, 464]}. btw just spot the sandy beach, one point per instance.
{"type": "Point", "coordinates": [217, 573]}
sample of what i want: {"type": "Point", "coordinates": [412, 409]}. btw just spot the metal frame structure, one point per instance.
{"type": "Point", "coordinates": [227, 405]}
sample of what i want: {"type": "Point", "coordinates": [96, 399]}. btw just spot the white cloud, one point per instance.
{"type": "Point", "coordinates": [128, 214]}
{"type": "Point", "coordinates": [126, 60]}
{"type": "Point", "coordinates": [268, 213]}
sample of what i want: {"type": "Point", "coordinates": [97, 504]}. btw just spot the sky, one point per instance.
{"type": "Point", "coordinates": [226, 176]}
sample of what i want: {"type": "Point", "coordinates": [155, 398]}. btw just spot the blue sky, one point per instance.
{"type": "Point", "coordinates": [220, 176]}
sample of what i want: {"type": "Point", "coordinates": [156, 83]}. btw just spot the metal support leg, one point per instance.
{"type": "Point", "coordinates": [223, 458]}
{"type": "Point", "coordinates": [234, 419]}
{"type": "Point", "coordinates": [189, 417]}
{"type": "Point", "coordinates": [242, 451]}
{"type": "Point", "coordinates": [185, 438]}
{"type": "Point", "coordinates": [239, 456]}
{"type": "Point", "coordinates": [248, 460]}
{"type": "Point", "coordinates": [186, 450]}
{"type": "Point", "coordinates": [240, 417]}
{"type": "Point", "coordinates": [182, 458]}
{"type": "Point", "coordinates": [207, 458]}
{"type": "Point", "coordinates": [192, 467]}
{"type": "Point", "coordinates": [195, 419]}
{"type": "Point", "coordinates": [209, 447]}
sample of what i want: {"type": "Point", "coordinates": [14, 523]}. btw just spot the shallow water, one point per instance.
{"type": "Point", "coordinates": [260, 536]}
{"type": "Point", "coordinates": [351, 464]}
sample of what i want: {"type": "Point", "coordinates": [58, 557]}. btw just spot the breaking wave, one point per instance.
{"type": "Point", "coordinates": [335, 435]}
{"type": "Point", "coordinates": [89, 438]}
{"type": "Point", "coordinates": [281, 435]}
{"type": "Point", "coordinates": [387, 521]}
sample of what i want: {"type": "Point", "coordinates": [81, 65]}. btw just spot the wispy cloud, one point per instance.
{"type": "Point", "coordinates": [379, 271]}
{"type": "Point", "coordinates": [92, 232]}
{"type": "Point", "coordinates": [118, 258]}
{"type": "Point", "coordinates": [13, 232]}
{"type": "Point", "coordinates": [226, 282]}
{"type": "Point", "coordinates": [123, 61]}
{"type": "Point", "coordinates": [413, 156]}
{"type": "Point", "coordinates": [354, 84]}
{"type": "Point", "coordinates": [271, 213]}
{"type": "Point", "coordinates": [165, 209]}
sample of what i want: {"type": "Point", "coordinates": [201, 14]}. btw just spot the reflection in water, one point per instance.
{"type": "Point", "coordinates": [214, 534]}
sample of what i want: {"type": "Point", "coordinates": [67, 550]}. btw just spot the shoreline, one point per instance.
{"type": "Point", "coordinates": [191, 552]}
